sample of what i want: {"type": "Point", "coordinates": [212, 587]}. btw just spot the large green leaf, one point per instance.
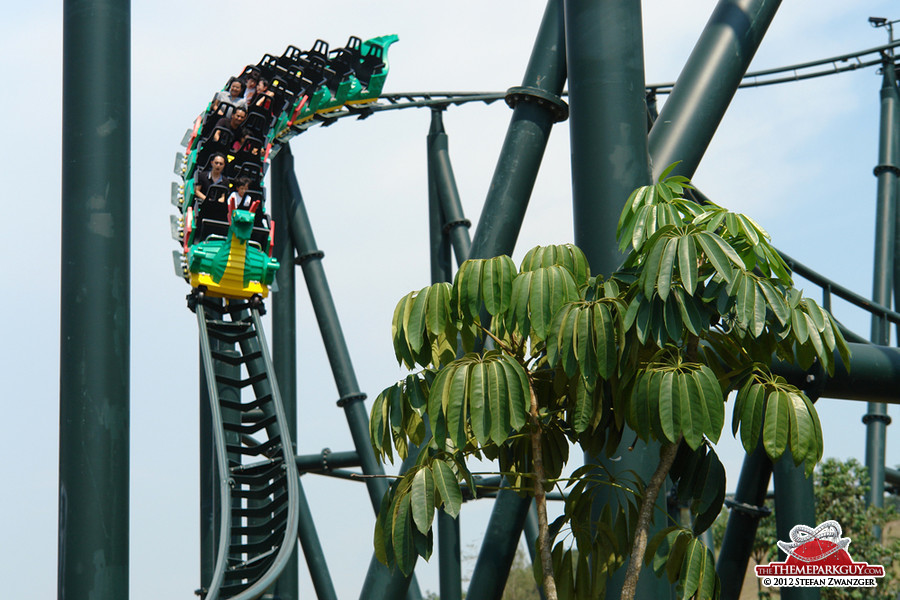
{"type": "Point", "coordinates": [519, 391]}
{"type": "Point", "coordinates": [456, 411]}
{"type": "Point", "coordinates": [694, 417]}
{"type": "Point", "coordinates": [478, 391]}
{"type": "Point", "coordinates": [752, 415]}
{"type": "Point", "coordinates": [669, 406]}
{"type": "Point", "coordinates": [777, 424]}
{"type": "Point", "coordinates": [447, 487]}
{"type": "Point", "coordinates": [467, 289]}
{"type": "Point", "coordinates": [667, 267]}
{"type": "Point", "coordinates": [422, 499]}
{"type": "Point", "coordinates": [710, 392]}
{"type": "Point", "coordinates": [698, 571]}
{"type": "Point", "coordinates": [605, 340]}
{"type": "Point", "coordinates": [687, 263]}
{"type": "Point", "coordinates": [720, 254]}
{"type": "Point", "coordinates": [402, 534]}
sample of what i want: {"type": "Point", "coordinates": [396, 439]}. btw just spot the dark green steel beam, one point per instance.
{"type": "Point", "coordinates": [537, 105]}
{"type": "Point", "coordinates": [874, 375]}
{"type": "Point", "coordinates": [442, 195]}
{"type": "Point", "coordinates": [608, 133]}
{"type": "Point", "coordinates": [94, 372]}
{"type": "Point", "coordinates": [284, 351]}
{"type": "Point", "coordinates": [876, 418]}
{"type": "Point", "coordinates": [453, 224]}
{"type": "Point", "coordinates": [498, 550]}
{"type": "Point", "coordinates": [379, 580]}
{"type": "Point", "coordinates": [747, 507]}
{"type": "Point", "coordinates": [707, 83]}
{"type": "Point", "coordinates": [794, 505]}
{"type": "Point", "coordinates": [312, 551]}
{"type": "Point", "coordinates": [608, 121]}
{"type": "Point", "coordinates": [327, 460]}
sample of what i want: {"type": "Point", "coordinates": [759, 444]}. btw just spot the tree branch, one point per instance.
{"type": "Point", "coordinates": [666, 458]}
{"type": "Point", "coordinates": [540, 500]}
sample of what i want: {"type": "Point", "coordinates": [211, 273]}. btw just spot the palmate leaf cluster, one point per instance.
{"type": "Point", "coordinates": [700, 307]}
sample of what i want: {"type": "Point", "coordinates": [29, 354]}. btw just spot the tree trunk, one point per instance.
{"type": "Point", "coordinates": [648, 502]}
{"type": "Point", "coordinates": [540, 500]}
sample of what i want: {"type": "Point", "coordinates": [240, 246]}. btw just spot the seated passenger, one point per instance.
{"type": "Point", "coordinates": [232, 124]}
{"type": "Point", "coordinates": [250, 83]}
{"type": "Point", "coordinates": [234, 96]}
{"type": "Point", "coordinates": [212, 176]}
{"type": "Point", "coordinates": [241, 198]}
{"type": "Point", "coordinates": [263, 96]}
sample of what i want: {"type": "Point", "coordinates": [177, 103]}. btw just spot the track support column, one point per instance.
{"type": "Point", "coordinates": [536, 107]}
{"type": "Point", "coordinates": [887, 172]}
{"type": "Point", "coordinates": [707, 83]}
{"type": "Point", "coordinates": [94, 375]}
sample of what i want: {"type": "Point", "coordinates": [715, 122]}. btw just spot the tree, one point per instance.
{"type": "Point", "coordinates": [552, 356]}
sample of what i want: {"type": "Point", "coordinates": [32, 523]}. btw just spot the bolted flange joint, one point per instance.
{"type": "Point", "coordinates": [345, 400]}
{"type": "Point", "coordinates": [556, 105]}
{"type": "Point", "coordinates": [886, 419]}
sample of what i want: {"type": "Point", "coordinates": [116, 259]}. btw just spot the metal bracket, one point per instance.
{"type": "Point", "coordinates": [464, 222]}
{"type": "Point", "coordinates": [868, 418]}
{"type": "Point", "coordinates": [754, 512]}
{"type": "Point", "coordinates": [345, 400]}
{"type": "Point", "coordinates": [309, 255]}
{"type": "Point", "coordinates": [886, 168]}
{"type": "Point", "coordinates": [556, 105]}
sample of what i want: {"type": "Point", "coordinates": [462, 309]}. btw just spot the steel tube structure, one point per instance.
{"type": "Point", "coordinates": [608, 138]}
{"type": "Point", "coordinates": [708, 82]}
{"type": "Point", "coordinates": [887, 171]}
{"type": "Point", "coordinates": [747, 507]}
{"type": "Point", "coordinates": [284, 355]}
{"type": "Point", "coordinates": [94, 371]}
{"type": "Point", "coordinates": [454, 225]}
{"type": "Point", "coordinates": [379, 580]}
{"type": "Point", "coordinates": [537, 105]}
{"type": "Point", "coordinates": [794, 504]}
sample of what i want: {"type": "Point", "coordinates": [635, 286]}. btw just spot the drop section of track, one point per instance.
{"type": "Point", "coordinates": [258, 480]}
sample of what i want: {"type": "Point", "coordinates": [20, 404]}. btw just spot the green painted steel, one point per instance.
{"type": "Point", "coordinates": [707, 83]}
{"type": "Point", "coordinates": [747, 507]}
{"type": "Point", "coordinates": [379, 579]}
{"type": "Point", "coordinates": [497, 231]}
{"type": "Point", "coordinates": [498, 550]}
{"type": "Point", "coordinates": [442, 183]}
{"type": "Point", "coordinates": [794, 504]}
{"type": "Point", "coordinates": [608, 133]}
{"type": "Point", "coordinates": [94, 371]}
{"type": "Point", "coordinates": [284, 361]}
{"type": "Point", "coordinates": [876, 418]}
{"type": "Point", "coordinates": [526, 139]}
{"type": "Point", "coordinates": [449, 554]}
{"type": "Point", "coordinates": [312, 552]}
{"type": "Point", "coordinates": [449, 557]}
{"type": "Point", "coordinates": [439, 241]}
{"type": "Point", "coordinates": [608, 121]}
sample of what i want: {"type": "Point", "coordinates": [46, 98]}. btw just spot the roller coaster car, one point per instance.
{"type": "Point", "coordinates": [229, 261]}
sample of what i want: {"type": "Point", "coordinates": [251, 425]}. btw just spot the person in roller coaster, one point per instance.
{"type": "Point", "coordinates": [234, 96]}
{"type": "Point", "coordinates": [214, 175]}
{"type": "Point", "coordinates": [263, 97]}
{"type": "Point", "coordinates": [242, 200]}
{"type": "Point", "coordinates": [251, 80]}
{"type": "Point", "coordinates": [230, 124]}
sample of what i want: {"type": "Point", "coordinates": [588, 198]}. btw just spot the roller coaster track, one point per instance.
{"type": "Point", "coordinates": [258, 477]}
{"type": "Point", "coordinates": [798, 72]}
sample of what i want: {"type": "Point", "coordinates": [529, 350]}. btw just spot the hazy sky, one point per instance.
{"type": "Point", "coordinates": [796, 157]}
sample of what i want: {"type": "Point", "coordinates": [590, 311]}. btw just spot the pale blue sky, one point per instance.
{"type": "Point", "coordinates": [798, 158]}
